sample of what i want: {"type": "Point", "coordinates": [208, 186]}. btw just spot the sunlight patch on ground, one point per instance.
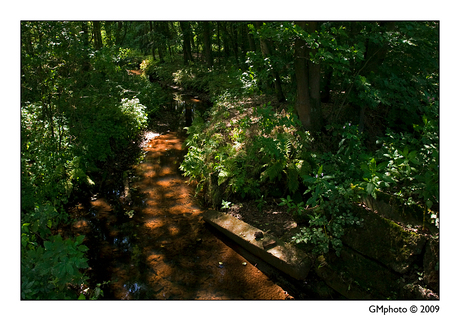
{"type": "Point", "coordinates": [153, 223]}
{"type": "Point", "coordinates": [147, 137]}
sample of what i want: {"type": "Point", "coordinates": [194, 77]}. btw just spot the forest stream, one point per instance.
{"type": "Point", "coordinates": [323, 136]}
{"type": "Point", "coordinates": [157, 246]}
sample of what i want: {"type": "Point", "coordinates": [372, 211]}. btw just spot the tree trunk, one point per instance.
{"type": "Point", "coordinates": [375, 53]}
{"type": "Point", "coordinates": [218, 41]}
{"type": "Point", "coordinates": [186, 44]}
{"type": "Point", "coordinates": [118, 40]}
{"type": "Point", "coordinates": [326, 91]}
{"type": "Point", "coordinates": [251, 42]}
{"type": "Point", "coordinates": [308, 76]}
{"type": "Point", "coordinates": [234, 40]}
{"type": "Point", "coordinates": [265, 47]}
{"type": "Point", "coordinates": [86, 64]}
{"type": "Point", "coordinates": [97, 35]}
{"type": "Point", "coordinates": [152, 40]}
{"type": "Point", "coordinates": [302, 104]}
{"type": "Point", "coordinates": [122, 26]}
{"type": "Point", "coordinates": [373, 58]}
{"type": "Point", "coordinates": [226, 38]}
{"type": "Point", "coordinates": [314, 79]}
{"type": "Point", "coordinates": [207, 44]}
{"type": "Point", "coordinates": [160, 38]}
{"type": "Point", "coordinates": [108, 31]}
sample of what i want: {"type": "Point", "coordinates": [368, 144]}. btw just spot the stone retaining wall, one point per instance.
{"type": "Point", "coordinates": [379, 260]}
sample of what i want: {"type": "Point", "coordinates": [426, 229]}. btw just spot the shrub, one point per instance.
{"type": "Point", "coordinates": [248, 157]}
{"type": "Point", "coordinates": [406, 165]}
{"type": "Point", "coordinates": [49, 271]}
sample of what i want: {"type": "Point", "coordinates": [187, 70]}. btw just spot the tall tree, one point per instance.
{"type": "Point", "coordinates": [266, 49]}
{"type": "Point", "coordinates": [218, 40]}
{"type": "Point", "coordinates": [186, 42]}
{"type": "Point", "coordinates": [119, 36]}
{"type": "Point", "coordinates": [234, 40]}
{"type": "Point", "coordinates": [152, 39]}
{"type": "Point", "coordinates": [251, 40]}
{"type": "Point", "coordinates": [108, 26]}
{"type": "Point", "coordinates": [308, 77]}
{"type": "Point", "coordinates": [226, 39]}
{"type": "Point", "coordinates": [207, 44]}
{"type": "Point", "coordinates": [374, 57]}
{"type": "Point", "coordinates": [97, 36]}
{"type": "Point", "coordinates": [161, 36]}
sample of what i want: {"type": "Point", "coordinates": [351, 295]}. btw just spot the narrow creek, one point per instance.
{"type": "Point", "coordinates": [156, 244]}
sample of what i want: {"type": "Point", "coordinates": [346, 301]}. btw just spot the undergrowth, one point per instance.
{"type": "Point", "coordinates": [244, 148]}
{"type": "Point", "coordinates": [246, 151]}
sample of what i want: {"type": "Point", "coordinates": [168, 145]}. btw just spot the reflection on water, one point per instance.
{"type": "Point", "coordinates": [165, 251]}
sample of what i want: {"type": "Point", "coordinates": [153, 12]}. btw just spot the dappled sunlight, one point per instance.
{"type": "Point", "coordinates": [173, 229]}
{"type": "Point", "coordinates": [102, 206]}
{"type": "Point", "coordinates": [104, 210]}
{"type": "Point", "coordinates": [82, 226]}
{"type": "Point", "coordinates": [164, 250]}
{"type": "Point", "coordinates": [179, 209]}
{"type": "Point", "coordinates": [153, 223]}
{"type": "Point", "coordinates": [152, 209]}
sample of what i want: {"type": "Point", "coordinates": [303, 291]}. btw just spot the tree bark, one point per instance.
{"type": "Point", "coordinates": [226, 40]}
{"type": "Point", "coordinates": [207, 44]}
{"type": "Point", "coordinates": [158, 28]}
{"type": "Point", "coordinates": [375, 53]}
{"type": "Point", "coordinates": [302, 104]}
{"type": "Point", "coordinates": [314, 78]}
{"type": "Point", "coordinates": [186, 44]}
{"type": "Point", "coordinates": [218, 42]}
{"type": "Point", "coordinates": [251, 42]}
{"type": "Point", "coordinates": [266, 50]}
{"type": "Point", "coordinates": [97, 35]}
{"type": "Point", "coordinates": [152, 40]}
{"type": "Point", "coordinates": [373, 58]}
{"type": "Point", "coordinates": [234, 40]}
{"type": "Point", "coordinates": [244, 40]}
{"type": "Point", "coordinates": [108, 31]}
{"type": "Point", "coordinates": [86, 64]}
{"type": "Point", "coordinates": [308, 76]}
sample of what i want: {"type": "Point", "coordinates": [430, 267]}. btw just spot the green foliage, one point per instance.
{"type": "Point", "coordinates": [406, 165]}
{"type": "Point", "coordinates": [382, 74]}
{"type": "Point", "coordinates": [48, 271]}
{"type": "Point", "coordinates": [328, 211]}
{"type": "Point", "coordinates": [297, 209]}
{"type": "Point", "coordinates": [81, 115]}
{"type": "Point", "coordinates": [226, 205]}
{"type": "Point", "coordinates": [260, 151]}
{"type": "Point", "coordinates": [44, 158]}
{"type": "Point", "coordinates": [261, 202]}
{"type": "Point", "coordinates": [412, 160]}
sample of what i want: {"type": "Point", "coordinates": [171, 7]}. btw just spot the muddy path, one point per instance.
{"type": "Point", "coordinates": [157, 245]}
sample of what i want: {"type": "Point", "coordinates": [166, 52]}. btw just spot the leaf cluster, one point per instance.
{"type": "Point", "coordinates": [406, 165]}
{"type": "Point", "coordinates": [81, 116]}
{"type": "Point", "coordinates": [48, 270]}
{"type": "Point", "coordinates": [248, 157]}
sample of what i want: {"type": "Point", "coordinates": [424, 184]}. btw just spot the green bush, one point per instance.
{"type": "Point", "coordinates": [412, 161]}
{"type": "Point", "coordinates": [331, 191]}
{"type": "Point", "coordinates": [328, 211]}
{"type": "Point", "coordinates": [250, 157]}
{"type": "Point", "coordinates": [81, 115]}
{"type": "Point", "coordinates": [49, 271]}
{"type": "Point", "coordinates": [406, 165]}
